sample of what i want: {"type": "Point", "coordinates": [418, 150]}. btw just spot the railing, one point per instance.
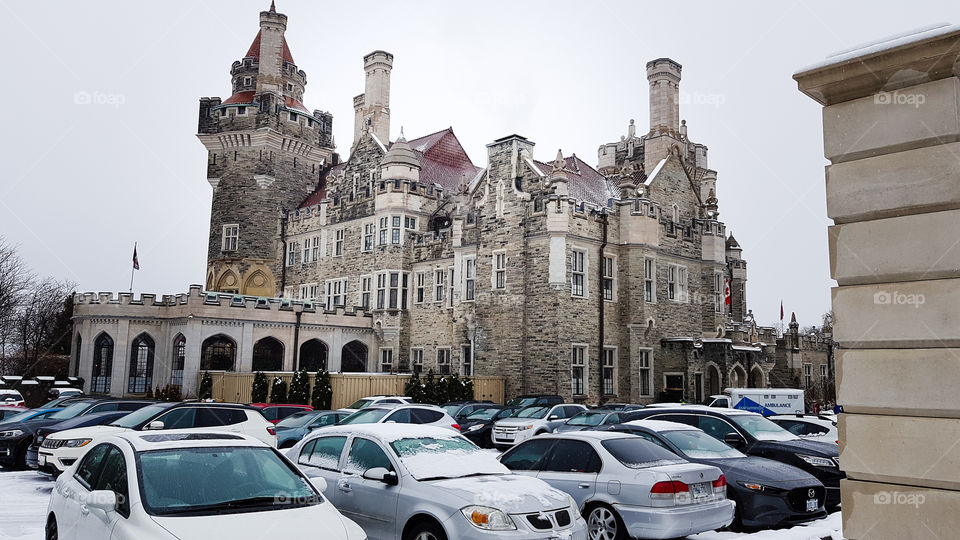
{"type": "Point", "coordinates": [347, 387]}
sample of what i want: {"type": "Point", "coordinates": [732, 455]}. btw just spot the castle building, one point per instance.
{"type": "Point", "coordinates": [609, 282]}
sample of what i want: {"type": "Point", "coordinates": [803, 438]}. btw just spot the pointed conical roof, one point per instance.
{"type": "Point", "coordinates": [732, 243]}
{"type": "Point", "coordinates": [400, 153]}
{"type": "Point", "coordinates": [254, 50]}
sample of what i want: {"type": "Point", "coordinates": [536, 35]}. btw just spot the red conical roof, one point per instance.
{"type": "Point", "coordinates": [254, 50]}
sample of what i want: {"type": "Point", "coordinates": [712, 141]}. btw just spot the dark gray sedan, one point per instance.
{"type": "Point", "coordinates": [589, 419]}
{"type": "Point", "coordinates": [296, 426]}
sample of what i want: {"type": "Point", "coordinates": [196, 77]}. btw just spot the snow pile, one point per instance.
{"type": "Point", "coordinates": [23, 505]}
{"type": "Point", "coordinates": [828, 527]}
{"type": "Point", "coordinates": [452, 464]}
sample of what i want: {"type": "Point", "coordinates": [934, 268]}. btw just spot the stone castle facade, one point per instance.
{"type": "Point", "coordinates": [609, 282]}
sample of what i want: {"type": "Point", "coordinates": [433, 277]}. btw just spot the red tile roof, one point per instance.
{"type": "Point", "coordinates": [254, 50]}
{"type": "Point", "coordinates": [584, 182]}
{"type": "Point", "coordinates": [314, 198]}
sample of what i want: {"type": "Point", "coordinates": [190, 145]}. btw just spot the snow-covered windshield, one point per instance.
{"type": "Point", "coordinates": [697, 444]}
{"type": "Point", "coordinates": [639, 453]}
{"type": "Point", "coordinates": [761, 428]}
{"type": "Point", "coordinates": [532, 412]}
{"type": "Point", "coordinates": [368, 416]}
{"type": "Point", "coordinates": [587, 419]}
{"type": "Point", "coordinates": [444, 457]}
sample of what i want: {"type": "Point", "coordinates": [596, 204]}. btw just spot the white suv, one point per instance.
{"type": "Point", "coordinates": [370, 401]}
{"type": "Point", "coordinates": [61, 449]}
{"type": "Point", "coordinates": [422, 414]}
{"type": "Point", "coordinates": [531, 421]}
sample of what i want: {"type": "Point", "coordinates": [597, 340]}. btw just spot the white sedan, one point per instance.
{"type": "Point", "coordinates": [179, 485]}
{"type": "Point", "coordinates": [810, 427]}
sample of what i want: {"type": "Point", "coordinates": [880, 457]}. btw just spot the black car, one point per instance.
{"type": "Point", "coordinates": [618, 407]}
{"type": "Point", "coordinates": [477, 425]}
{"type": "Point", "coordinates": [15, 438]}
{"type": "Point", "coordinates": [529, 400]}
{"type": "Point", "coordinates": [460, 409]}
{"type": "Point", "coordinates": [754, 435]}
{"type": "Point", "coordinates": [768, 493]}
{"type": "Point", "coordinates": [94, 419]}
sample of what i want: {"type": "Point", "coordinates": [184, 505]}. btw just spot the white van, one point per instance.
{"type": "Point", "coordinates": [766, 401]}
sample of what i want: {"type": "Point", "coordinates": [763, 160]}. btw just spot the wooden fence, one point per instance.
{"type": "Point", "coordinates": [347, 387]}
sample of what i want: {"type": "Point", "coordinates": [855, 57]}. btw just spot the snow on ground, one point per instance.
{"type": "Point", "coordinates": [24, 496]}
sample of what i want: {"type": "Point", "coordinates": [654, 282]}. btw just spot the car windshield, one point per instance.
{"type": "Point", "coordinates": [452, 409]}
{"type": "Point", "coordinates": [18, 417]}
{"type": "Point", "coordinates": [587, 419]}
{"type": "Point", "coordinates": [522, 402]}
{"type": "Point", "coordinates": [139, 416]}
{"type": "Point", "coordinates": [761, 428]}
{"type": "Point", "coordinates": [532, 412]}
{"type": "Point", "coordinates": [638, 453]}
{"type": "Point", "coordinates": [360, 403]}
{"type": "Point", "coordinates": [10, 395]}
{"type": "Point", "coordinates": [368, 416]}
{"type": "Point", "coordinates": [296, 420]}
{"type": "Point", "coordinates": [697, 444]}
{"type": "Point", "coordinates": [484, 414]}
{"type": "Point", "coordinates": [444, 457]}
{"type": "Point", "coordinates": [198, 481]}
{"type": "Point", "coordinates": [70, 411]}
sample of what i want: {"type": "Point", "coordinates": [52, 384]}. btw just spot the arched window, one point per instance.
{"type": "Point", "coordinates": [353, 357]}
{"type": "Point", "coordinates": [313, 355]}
{"type": "Point", "coordinates": [675, 214]}
{"type": "Point", "coordinates": [219, 353]}
{"type": "Point", "coordinates": [102, 364]}
{"type": "Point", "coordinates": [268, 355]}
{"type": "Point", "coordinates": [179, 358]}
{"type": "Point", "coordinates": [141, 365]}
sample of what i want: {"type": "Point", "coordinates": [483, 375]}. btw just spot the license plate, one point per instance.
{"type": "Point", "coordinates": [812, 505]}
{"type": "Point", "coordinates": [41, 460]}
{"type": "Point", "coordinates": [700, 490]}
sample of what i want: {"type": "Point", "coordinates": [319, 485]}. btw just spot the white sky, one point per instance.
{"type": "Point", "coordinates": [80, 183]}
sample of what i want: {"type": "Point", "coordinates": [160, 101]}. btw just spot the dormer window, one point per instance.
{"type": "Point", "coordinates": [241, 110]}
{"type": "Point", "coordinates": [293, 117]}
{"type": "Point", "coordinates": [247, 81]}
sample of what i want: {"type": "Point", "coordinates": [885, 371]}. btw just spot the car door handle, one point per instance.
{"type": "Point", "coordinates": [344, 486]}
{"type": "Point", "coordinates": [583, 486]}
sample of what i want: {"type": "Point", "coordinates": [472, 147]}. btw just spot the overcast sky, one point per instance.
{"type": "Point", "coordinates": [80, 183]}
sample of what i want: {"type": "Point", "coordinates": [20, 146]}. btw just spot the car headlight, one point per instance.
{"type": "Point", "coordinates": [76, 443]}
{"type": "Point", "coordinates": [11, 433]}
{"type": "Point", "coordinates": [487, 518]}
{"type": "Point", "coordinates": [817, 461]}
{"type": "Point", "coordinates": [474, 427]}
{"type": "Point", "coordinates": [760, 488]}
{"type": "Point", "coordinates": [522, 428]}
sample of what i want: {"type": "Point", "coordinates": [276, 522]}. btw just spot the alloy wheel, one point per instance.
{"type": "Point", "coordinates": [602, 524]}
{"type": "Point", "coordinates": [425, 535]}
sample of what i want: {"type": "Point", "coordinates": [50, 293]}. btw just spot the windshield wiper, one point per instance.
{"type": "Point", "coordinates": [250, 502]}
{"type": "Point", "coordinates": [460, 476]}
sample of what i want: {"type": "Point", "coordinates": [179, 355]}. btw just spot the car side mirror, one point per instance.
{"type": "Point", "coordinates": [156, 424]}
{"type": "Point", "coordinates": [102, 499]}
{"type": "Point", "coordinates": [381, 474]}
{"type": "Point", "coordinates": [318, 482]}
{"type": "Point", "coordinates": [554, 417]}
{"type": "Point", "coordinates": [734, 439]}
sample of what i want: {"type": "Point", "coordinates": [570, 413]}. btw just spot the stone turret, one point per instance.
{"type": "Point", "coordinates": [401, 162]}
{"type": "Point", "coordinates": [372, 108]}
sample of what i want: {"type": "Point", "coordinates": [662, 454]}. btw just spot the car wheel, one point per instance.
{"type": "Point", "coordinates": [50, 531]}
{"type": "Point", "coordinates": [603, 523]}
{"type": "Point", "coordinates": [426, 530]}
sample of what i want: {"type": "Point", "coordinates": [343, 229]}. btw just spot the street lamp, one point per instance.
{"type": "Point", "coordinates": [298, 311]}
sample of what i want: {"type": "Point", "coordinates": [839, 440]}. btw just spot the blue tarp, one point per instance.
{"type": "Point", "coordinates": [748, 404]}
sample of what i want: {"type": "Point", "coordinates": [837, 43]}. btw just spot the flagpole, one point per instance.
{"type": "Point", "coordinates": [133, 268]}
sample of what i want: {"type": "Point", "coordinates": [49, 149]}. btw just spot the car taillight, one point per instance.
{"type": "Point", "coordinates": [455, 426]}
{"type": "Point", "coordinates": [720, 482]}
{"type": "Point", "coordinates": [668, 488]}
{"type": "Point", "coordinates": [271, 430]}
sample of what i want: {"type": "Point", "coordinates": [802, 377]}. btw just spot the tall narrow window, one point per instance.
{"type": "Point", "coordinates": [469, 278]}
{"type": "Point", "coordinates": [421, 290]}
{"type": "Point", "coordinates": [718, 292]}
{"type": "Point", "coordinates": [608, 268]}
{"type": "Point", "coordinates": [381, 291]}
{"type": "Point", "coordinates": [336, 293]}
{"type": "Point", "coordinates": [577, 274]}
{"type": "Point", "coordinates": [313, 291]}
{"type": "Point", "coordinates": [141, 365]}
{"type": "Point", "coordinates": [179, 359]}
{"type": "Point", "coordinates": [338, 243]}
{"type": "Point", "coordinates": [578, 370]}
{"type": "Point", "coordinates": [384, 230]}
{"type": "Point", "coordinates": [395, 230]}
{"type": "Point", "coordinates": [450, 286]}
{"type": "Point", "coordinates": [499, 270]}
{"type": "Point", "coordinates": [823, 371]}
{"type": "Point", "coordinates": [292, 248]}
{"type": "Point", "coordinates": [646, 373]}
{"type": "Point", "coordinates": [439, 285]}
{"type": "Point", "coordinates": [368, 233]}
{"type": "Point", "coordinates": [231, 237]}
{"type": "Point", "coordinates": [416, 360]}
{"type": "Point", "coordinates": [672, 282]}
{"type": "Point", "coordinates": [394, 290]}
{"type": "Point", "coordinates": [386, 360]}
{"type": "Point", "coordinates": [466, 353]}
{"type": "Point", "coordinates": [404, 278]}
{"type": "Point", "coordinates": [808, 375]}
{"type": "Point", "coordinates": [365, 285]}
{"type": "Point", "coordinates": [306, 251]}
{"type": "Point", "coordinates": [609, 375]}
{"type": "Point", "coordinates": [443, 361]}
{"type": "Point", "coordinates": [650, 280]}
{"type": "Point", "coordinates": [681, 283]}
{"type": "Point", "coordinates": [410, 223]}
{"type": "Point", "coordinates": [315, 249]}
{"type": "Point", "coordinates": [102, 372]}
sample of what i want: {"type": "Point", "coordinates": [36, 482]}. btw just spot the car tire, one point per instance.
{"type": "Point", "coordinates": [425, 530]}
{"type": "Point", "coordinates": [50, 531]}
{"type": "Point", "coordinates": [603, 523]}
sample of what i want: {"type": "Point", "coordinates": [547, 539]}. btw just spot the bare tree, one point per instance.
{"type": "Point", "coordinates": [15, 280]}
{"type": "Point", "coordinates": [39, 324]}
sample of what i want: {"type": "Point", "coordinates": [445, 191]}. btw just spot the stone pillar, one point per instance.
{"type": "Point", "coordinates": [191, 363]}
{"type": "Point", "coordinates": [891, 126]}
{"type": "Point", "coordinates": [121, 352]}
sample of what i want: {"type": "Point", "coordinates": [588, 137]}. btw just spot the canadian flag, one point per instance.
{"type": "Point", "coordinates": [726, 291]}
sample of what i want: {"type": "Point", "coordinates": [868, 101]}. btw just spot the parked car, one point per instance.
{"type": "Point", "coordinates": [402, 414]}
{"type": "Point", "coordinates": [531, 421]}
{"type": "Point", "coordinates": [11, 397]}
{"type": "Point", "coordinates": [64, 391]}
{"type": "Point", "coordinates": [16, 433]}
{"type": "Point", "coordinates": [589, 419]}
{"type": "Point", "coordinates": [23, 414]}
{"type": "Point", "coordinates": [755, 435]}
{"type": "Point", "coordinates": [370, 401]}
{"type": "Point", "coordinates": [95, 419]}
{"type": "Point", "coordinates": [60, 450]}
{"type": "Point", "coordinates": [460, 409]}
{"type": "Point", "coordinates": [428, 483]}
{"type": "Point", "coordinates": [478, 424]}
{"type": "Point", "coordinates": [626, 486]}
{"type": "Point", "coordinates": [65, 400]}
{"type": "Point", "coordinates": [275, 412]}
{"type": "Point", "coordinates": [618, 407]}
{"type": "Point", "coordinates": [294, 427]}
{"type": "Point", "coordinates": [767, 493]}
{"type": "Point", "coordinates": [8, 411]}
{"type": "Point", "coordinates": [529, 400]}
{"type": "Point", "coordinates": [189, 485]}
{"type": "Point", "coordinates": [811, 427]}
{"type": "Point", "coordinates": [718, 400]}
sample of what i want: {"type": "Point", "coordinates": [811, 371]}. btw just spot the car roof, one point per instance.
{"type": "Point", "coordinates": [265, 405]}
{"type": "Point", "coordinates": [404, 406]}
{"type": "Point", "coordinates": [387, 432]}
{"type": "Point", "coordinates": [144, 441]}
{"type": "Point", "coordinates": [587, 435]}
{"type": "Point", "coordinates": [718, 411]}
{"type": "Point", "coordinates": [660, 425]}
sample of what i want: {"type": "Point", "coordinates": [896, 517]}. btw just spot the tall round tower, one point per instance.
{"type": "Point", "coordinates": [266, 151]}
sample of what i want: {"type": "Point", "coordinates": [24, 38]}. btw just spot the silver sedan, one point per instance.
{"type": "Point", "coordinates": [416, 482]}
{"type": "Point", "coordinates": [626, 486]}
